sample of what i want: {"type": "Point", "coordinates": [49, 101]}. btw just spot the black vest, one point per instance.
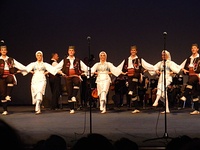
{"type": "Point", "coordinates": [76, 64]}
{"type": "Point", "coordinates": [137, 66]}
{"type": "Point", "coordinates": [196, 63]}
{"type": "Point", "coordinates": [10, 63]}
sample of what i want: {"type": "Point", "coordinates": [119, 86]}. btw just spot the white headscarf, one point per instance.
{"type": "Point", "coordinates": [102, 52]}
{"type": "Point", "coordinates": [167, 54]}
{"type": "Point", "coordinates": [39, 52]}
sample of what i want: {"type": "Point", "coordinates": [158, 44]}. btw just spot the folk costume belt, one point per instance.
{"type": "Point", "coordinates": [131, 72]}
{"type": "Point", "coordinates": [72, 72]}
{"type": "Point", "coordinates": [191, 71]}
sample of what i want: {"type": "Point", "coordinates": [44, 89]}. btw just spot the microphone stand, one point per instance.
{"type": "Point", "coordinates": [165, 136]}
{"type": "Point", "coordinates": [165, 88]}
{"type": "Point", "coordinates": [89, 87]}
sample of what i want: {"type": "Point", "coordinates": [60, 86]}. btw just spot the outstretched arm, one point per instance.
{"type": "Point", "coordinates": [148, 67]}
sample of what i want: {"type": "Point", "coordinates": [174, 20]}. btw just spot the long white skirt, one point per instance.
{"type": "Point", "coordinates": [38, 90]}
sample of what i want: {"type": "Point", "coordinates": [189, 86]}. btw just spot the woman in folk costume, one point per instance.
{"type": "Point", "coordinates": [170, 68]}
{"type": "Point", "coordinates": [103, 70]}
{"type": "Point", "coordinates": [38, 82]}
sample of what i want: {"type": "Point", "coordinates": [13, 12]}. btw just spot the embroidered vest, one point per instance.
{"type": "Point", "coordinates": [2, 65]}
{"type": "Point", "coordinates": [196, 65]}
{"type": "Point", "coordinates": [136, 64]}
{"type": "Point", "coordinates": [10, 63]}
{"type": "Point", "coordinates": [76, 65]}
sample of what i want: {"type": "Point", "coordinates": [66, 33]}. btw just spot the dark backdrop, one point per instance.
{"type": "Point", "coordinates": [113, 25]}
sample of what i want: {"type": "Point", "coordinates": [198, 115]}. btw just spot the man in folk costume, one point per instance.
{"type": "Point", "coordinates": [55, 83]}
{"type": "Point", "coordinates": [133, 68]}
{"type": "Point", "coordinates": [192, 65]}
{"type": "Point", "coordinates": [39, 69]}
{"type": "Point", "coordinates": [72, 68]}
{"type": "Point", "coordinates": [8, 70]}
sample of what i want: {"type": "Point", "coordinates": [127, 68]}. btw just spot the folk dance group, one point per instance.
{"type": "Point", "coordinates": [71, 68]}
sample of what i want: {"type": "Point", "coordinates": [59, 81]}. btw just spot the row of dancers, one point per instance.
{"type": "Point", "coordinates": [72, 68]}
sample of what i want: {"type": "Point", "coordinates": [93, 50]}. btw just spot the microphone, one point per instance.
{"type": "Point", "coordinates": [164, 33]}
{"type": "Point", "coordinates": [88, 38]}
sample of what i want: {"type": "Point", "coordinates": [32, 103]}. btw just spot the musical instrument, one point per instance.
{"type": "Point", "coordinates": [95, 93]}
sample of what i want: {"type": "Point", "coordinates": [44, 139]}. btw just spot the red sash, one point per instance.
{"type": "Point", "coordinates": [72, 72]}
{"type": "Point", "coordinates": [191, 71]}
{"type": "Point", "coordinates": [131, 72]}
{"type": "Point", "coordinates": [6, 73]}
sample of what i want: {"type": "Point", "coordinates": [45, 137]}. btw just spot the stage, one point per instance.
{"type": "Point", "coordinates": [142, 127]}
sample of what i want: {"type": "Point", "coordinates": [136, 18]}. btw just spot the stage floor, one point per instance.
{"type": "Point", "coordinates": [142, 127]}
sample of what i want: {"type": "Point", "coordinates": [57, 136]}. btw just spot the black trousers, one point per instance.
{"type": "Point", "coordinates": [192, 88]}
{"type": "Point", "coordinates": [73, 86]}
{"type": "Point", "coordinates": [55, 86]}
{"type": "Point", "coordinates": [133, 83]}
{"type": "Point", "coordinates": [5, 90]}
